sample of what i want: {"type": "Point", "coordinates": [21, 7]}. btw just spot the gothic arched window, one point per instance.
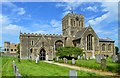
{"type": "Point", "coordinates": [103, 47]}
{"type": "Point", "coordinates": [89, 42]}
{"type": "Point", "coordinates": [109, 47]}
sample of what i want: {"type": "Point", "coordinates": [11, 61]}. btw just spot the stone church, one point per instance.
{"type": "Point", "coordinates": [74, 33]}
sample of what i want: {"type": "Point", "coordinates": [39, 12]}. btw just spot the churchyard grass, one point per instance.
{"type": "Point", "coordinates": [0, 66]}
{"type": "Point", "coordinates": [7, 69]}
{"type": "Point", "coordinates": [111, 66]}
{"type": "Point", "coordinates": [30, 68]}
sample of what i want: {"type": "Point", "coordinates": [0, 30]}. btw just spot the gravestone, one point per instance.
{"type": "Point", "coordinates": [79, 57]}
{"type": "Point", "coordinates": [114, 58]}
{"type": "Point", "coordinates": [73, 61]}
{"type": "Point", "coordinates": [98, 58]}
{"type": "Point", "coordinates": [118, 58]}
{"type": "Point", "coordinates": [102, 56]}
{"type": "Point", "coordinates": [57, 58]}
{"type": "Point", "coordinates": [103, 64]}
{"type": "Point", "coordinates": [64, 59]}
{"type": "Point", "coordinates": [87, 58]}
{"type": "Point", "coordinates": [83, 56]}
{"type": "Point", "coordinates": [47, 57]}
{"type": "Point", "coordinates": [37, 59]}
{"type": "Point", "coordinates": [72, 74]}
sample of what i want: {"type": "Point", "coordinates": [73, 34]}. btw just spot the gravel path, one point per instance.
{"type": "Point", "coordinates": [103, 73]}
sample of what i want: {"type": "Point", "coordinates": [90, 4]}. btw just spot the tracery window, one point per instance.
{"type": "Point", "coordinates": [103, 47]}
{"type": "Point", "coordinates": [89, 42]}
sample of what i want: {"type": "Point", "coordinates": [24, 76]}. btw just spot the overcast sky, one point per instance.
{"type": "Point", "coordinates": [45, 17]}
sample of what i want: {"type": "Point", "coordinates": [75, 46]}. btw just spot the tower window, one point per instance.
{"type": "Point", "coordinates": [5, 49]}
{"type": "Point", "coordinates": [15, 49]}
{"type": "Point", "coordinates": [72, 32]}
{"type": "Point", "coordinates": [79, 23]}
{"type": "Point", "coordinates": [32, 43]}
{"type": "Point", "coordinates": [11, 49]}
{"type": "Point", "coordinates": [74, 23]}
{"type": "Point", "coordinates": [71, 22]}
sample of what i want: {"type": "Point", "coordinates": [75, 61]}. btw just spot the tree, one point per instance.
{"type": "Point", "coordinates": [69, 51]}
{"type": "Point", "coordinates": [116, 50]}
{"type": "Point", "coordinates": [18, 52]}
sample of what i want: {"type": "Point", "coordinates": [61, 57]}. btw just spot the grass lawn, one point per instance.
{"type": "Point", "coordinates": [29, 68]}
{"type": "Point", "coordinates": [0, 67]}
{"type": "Point", "coordinates": [7, 69]}
{"type": "Point", "coordinates": [112, 67]}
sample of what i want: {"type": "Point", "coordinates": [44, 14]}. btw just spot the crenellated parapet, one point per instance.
{"type": "Point", "coordinates": [39, 34]}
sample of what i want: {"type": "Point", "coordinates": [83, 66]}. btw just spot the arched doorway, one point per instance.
{"type": "Point", "coordinates": [42, 55]}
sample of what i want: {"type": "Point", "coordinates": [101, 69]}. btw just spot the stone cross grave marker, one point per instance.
{"type": "Point", "coordinates": [114, 58]}
{"type": "Point", "coordinates": [103, 64]}
{"type": "Point", "coordinates": [73, 61]}
{"type": "Point", "coordinates": [72, 74]}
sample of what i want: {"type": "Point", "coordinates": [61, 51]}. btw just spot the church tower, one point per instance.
{"type": "Point", "coordinates": [71, 24]}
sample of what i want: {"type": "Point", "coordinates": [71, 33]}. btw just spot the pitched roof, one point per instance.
{"type": "Point", "coordinates": [80, 33]}
{"type": "Point", "coordinates": [105, 40]}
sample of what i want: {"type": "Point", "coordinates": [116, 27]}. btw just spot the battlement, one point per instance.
{"type": "Point", "coordinates": [39, 34]}
{"type": "Point", "coordinates": [70, 14]}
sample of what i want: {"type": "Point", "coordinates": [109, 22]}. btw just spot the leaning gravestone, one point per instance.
{"type": "Point", "coordinates": [103, 64]}
{"type": "Point", "coordinates": [73, 61]}
{"type": "Point", "coordinates": [114, 58]}
{"type": "Point", "coordinates": [72, 74]}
